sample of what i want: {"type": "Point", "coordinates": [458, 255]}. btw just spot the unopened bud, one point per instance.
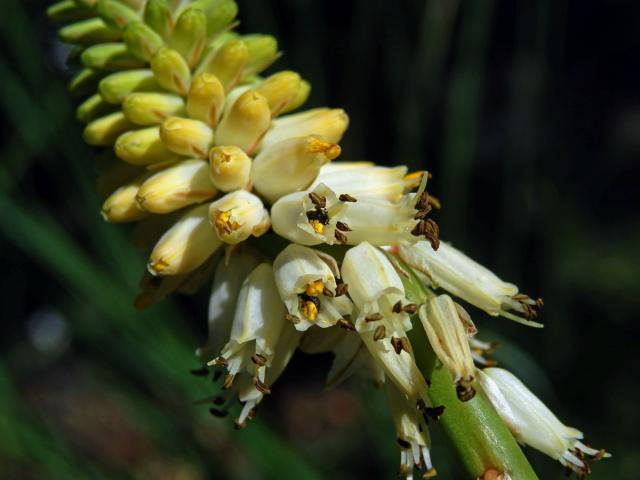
{"type": "Point", "coordinates": [327, 124]}
{"type": "Point", "coordinates": [93, 107]}
{"type": "Point", "coordinates": [219, 13]}
{"type": "Point", "coordinates": [115, 87]}
{"type": "Point", "coordinates": [88, 32]}
{"type": "Point", "coordinates": [245, 122]}
{"type": "Point", "coordinates": [142, 41]}
{"type": "Point", "coordinates": [105, 130]}
{"type": "Point", "coordinates": [184, 136]}
{"type": "Point", "coordinates": [116, 14]}
{"type": "Point", "coordinates": [109, 56]}
{"type": "Point", "coordinates": [238, 215]}
{"type": "Point", "coordinates": [158, 14]}
{"type": "Point", "coordinates": [230, 167]}
{"type": "Point", "coordinates": [448, 338]}
{"type": "Point", "coordinates": [171, 70]}
{"type": "Point", "coordinates": [189, 35]}
{"type": "Point", "coordinates": [152, 108]}
{"type": "Point", "coordinates": [176, 187]}
{"type": "Point", "coordinates": [227, 63]}
{"type": "Point", "coordinates": [143, 147]}
{"type": "Point", "coordinates": [121, 205]}
{"type": "Point", "coordinates": [297, 161]}
{"type": "Point", "coordinates": [263, 51]}
{"type": "Point", "coordinates": [280, 89]}
{"type": "Point", "coordinates": [206, 99]}
{"type": "Point", "coordinates": [186, 245]}
{"type": "Point", "coordinates": [304, 89]}
{"type": "Point", "coordinates": [85, 82]}
{"type": "Point", "coordinates": [68, 11]}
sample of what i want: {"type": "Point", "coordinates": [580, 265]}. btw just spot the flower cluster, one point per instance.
{"type": "Point", "coordinates": [225, 182]}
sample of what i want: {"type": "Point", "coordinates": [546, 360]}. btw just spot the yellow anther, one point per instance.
{"type": "Point", "coordinates": [413, 179]}
{"type": "Point", "coordinates": [315, 288]}
{"type": "Point", "coordinates": [331, 150]}
{"type": "Point", "coordinates": [224, 224]}
{"type": "Point", "coordinates": [317, 226]}
{"type": "Point", "coordinates": [309, 310]}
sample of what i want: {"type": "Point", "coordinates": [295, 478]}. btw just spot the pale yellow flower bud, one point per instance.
{"type": "Point", "coordinates": [230, 167]}
{"type": "Point", "coordinates": [245, 122]}
{"type": "Point", "coordinates": [93, 107]}
{"type": "Point", "coordinates": [238, 215]}
{"type": "Point", "coordinates": [205, 101]}
{"type": "Point", "coordinates": [327, 124]}
{"type": "Point", "coordinates": [158, 14]}
{"type": "Point", "coordinates": [185, 136]}
{"type": "Point", "coordinates": [88, 32]}
{"type": "Point", "coordinates": [227, 63]}
{"type": "Point", "coordinates": [297, 162]}
{"type": "Point", "coordinates": [280, 90]}
{"type": "Point", "coordinates": [152, 108]}
{"type": "Point", "coordinates": [109, 56]}
{"type": "Point", "coordinates": [142, 41]}
{"type": "Point", "coordinates": [143, 147]}
{"type": "Point", "coordinates": [189, 35]}
{"type": "Point", "coordinates": [105, 130]}
{"type": "Point", "coordinates": [115, 87]}
{"type": "Point", "coordinates": [448, 338]}
{"type": "Point", "coordinates": [186, 245]}
{"type": "Point", "coordinates": [263, 51]}
{"type": "Point", "coordinates": [171, 71]}
{"type": "Point", "coordinates": [304, 89]}
{"type": "Point", "coordinates": [176, 187]}
{"type": "Point", "coordinates": [121, 205]}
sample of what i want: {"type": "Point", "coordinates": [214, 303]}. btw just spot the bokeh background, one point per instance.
{"type": "Point", "coordinates": [527, 114]}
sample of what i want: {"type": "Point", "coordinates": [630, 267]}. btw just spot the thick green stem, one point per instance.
{"type": "Point", "coordinates": [481, 439]}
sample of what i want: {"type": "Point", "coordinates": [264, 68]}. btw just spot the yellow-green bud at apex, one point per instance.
{"type": "Point", "coordinates": [93, 107]}
{"type": "Point", "coordinates": [116, 14]}
{"type": "Point", "coordinates": [142, 41]}
{"type": "Point", "coordinates": [105, 130]}
{"type": "Point", "coordinates": [189, 35]}
{"type": "Point", "coordinates": [88, 32]}
{"type": "Point", "coordinates": [115, 87]}
{"type": "Point", "coordinates": [206, 98]}
{"type": "Point", "coordinates": [171, 71]}
{"type": "Point", "coordinates": [143, 147]}
{"type": "Point", "coordinates": [228, 63]}
{"type": "Point", "coordinates": [245, 122]}
{"type": "Point", "coordinates": [188, 137]}
{"type": "Point", "coordinates": [109, 56]}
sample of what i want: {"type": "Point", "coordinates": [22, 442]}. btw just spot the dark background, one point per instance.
{"type": "Point", "coordinates": [526, 113]}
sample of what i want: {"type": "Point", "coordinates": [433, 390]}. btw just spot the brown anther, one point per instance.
{"type": "Point", "coordinates": [410, 308]}
{"type": "Point", "coordinates": [228, 381]}
{"type": "Point", "coordinates": [434, 412]}
{"type": "Point", "coordinates": [422, 214]}
{"type": "Point", "coordinates": [200, 372]}
{"type": "Point", "coordinates": [218, 413]}
{"type": "Point", "coordinates": [221, 361]}
{"type": "Point", "coordinates": [396, 343]}
{"type": "Point", "coordinates": [326, 292]}
{"type": "Point", "coordinates": [539, 303]}
{"type": "Point", "coordinates": [291, 318]}
{"type": "Point", "coordinates": [346, 324]}
{"type": "Point", "coordinates": [341, 237]}
{"type": "Point", "coordinates": [520, 297]}
{"type": "Point", "coordinates": [343, 227]}
{"type": "Point", "coordinates": [318, 200]}
{"type": "Point", "coordinates": [397, 307]}
{"type": "Point", "coordinates": [342, 289]}
{"type": "Point", "coordinates": [261, 386]}
{"type": "Point", "coordinates": [259, 360]}
{"type": "Point", "coordinates": [423, 201]}
{"type": "Point", "coordinates": [600, 455]}
{"type": "Point", "coordinates": [374, 317]}
{"type": "Point", "coordinates": [379, 333]}
{"type": "Point", "coordinates": [406, 345]}
{"type": "Point", "coordinates": [465, 392]}
{"type": "Point", "coordinates": [345, 197]}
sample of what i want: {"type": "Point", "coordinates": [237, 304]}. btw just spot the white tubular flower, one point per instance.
{"type": "Point", "coordinates": [308, 287]}
{"type": "Point", "coordinates": [533, 424]}
{"type": "Point", "coordinates": [363, 181]}
{"type": "Point", "coordinates": [238, 215]}
{"type": "Point", "coordinates": [176, 187]}
{"type": "Point", "coordinates": [450, 342]}
{"type": "Point", "coordinates": [412, 434]}
{"type": "Point", "coordinates": [327, 124]}
{"type": "Point", "coordinates": [284, 350]}
{"type": "Point", "coordinates": [296, 161]}
{"type": "Point", "coordinates": [186, 245]}
{"type": "Point", "coordinates": [257, 324]}
{"type": "Point", "coordinates": [323, 216]}
{"type": "Point", "coordinates": [458, 274]}
{"type": "Point", "coordinates": [227, 281]}
{"type": "Point", "coordinates": [383, 318]}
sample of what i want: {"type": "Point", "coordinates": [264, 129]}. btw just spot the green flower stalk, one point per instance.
{"type": "Point", "coordinates": [226, 184]}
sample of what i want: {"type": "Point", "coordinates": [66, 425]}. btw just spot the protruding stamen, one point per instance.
{"type": "Point", "coordinates": [379, 333]}
{"type": "Point", "coordinates": [345, 197]}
